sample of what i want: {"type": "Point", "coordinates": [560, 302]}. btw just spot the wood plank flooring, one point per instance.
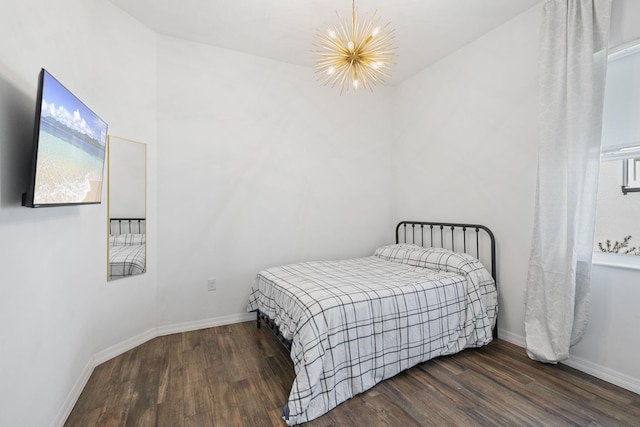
{"type": "Point", "coordinates": [238, 375]}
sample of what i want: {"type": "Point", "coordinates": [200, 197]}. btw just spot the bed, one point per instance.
{"type": "Point", "coordinates": [350, 324]}
{"type": "Point", "coordinates": [127, 247]}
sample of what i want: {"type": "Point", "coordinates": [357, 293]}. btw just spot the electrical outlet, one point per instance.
{"type": "Point", "coordinates": [211, 284]}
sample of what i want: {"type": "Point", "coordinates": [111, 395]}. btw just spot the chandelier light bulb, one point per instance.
{"type": "Point", "coordinates": [357, 53]}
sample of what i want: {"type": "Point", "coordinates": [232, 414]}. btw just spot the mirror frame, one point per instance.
{"type": "Point", "coordinates": [130, 256]}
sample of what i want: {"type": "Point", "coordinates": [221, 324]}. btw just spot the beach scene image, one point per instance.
{"type": "Point", "coordinates": [71, 149]}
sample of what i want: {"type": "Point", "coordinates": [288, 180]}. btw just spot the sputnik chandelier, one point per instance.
{"type": "Point", "coordinates": [356, 54]}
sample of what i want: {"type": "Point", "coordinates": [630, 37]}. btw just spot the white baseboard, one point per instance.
{"type": "Point", "coordinates": [130, 343]}
{"type": "Point", "coordinates": [124, 346]}
{"type": "Point", "coordinates": [74, 394]}
{"type": "Point", "coordinates": [204, 323]}
{"type": "Point", "coordinates": [512, 338]}
{"type": "Point", "coordinates": [609, 375]}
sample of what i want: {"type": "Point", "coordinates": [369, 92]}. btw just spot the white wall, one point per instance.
{"type": "Point", "coordinates": [611, 344]}
{"type": "Point", "coordinates": [465, 131]}
{"type": "Point", "coordinates": [56, 308]}
{"type": "Point", "coordinates": [260, 166]}
{"type": "Point", "coordinates": [477, 109]}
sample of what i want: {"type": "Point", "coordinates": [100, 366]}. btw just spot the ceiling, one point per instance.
{"type": "Point", "coordinates": [426, 30]}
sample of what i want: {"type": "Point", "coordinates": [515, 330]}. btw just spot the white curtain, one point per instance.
{"type": "Point", "coordinates": [572, 67]}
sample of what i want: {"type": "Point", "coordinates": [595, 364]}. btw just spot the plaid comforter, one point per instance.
{"type": "Point", "coordinates": [354, 323]}
{"type": "Point", "coordinates": [127, 255]}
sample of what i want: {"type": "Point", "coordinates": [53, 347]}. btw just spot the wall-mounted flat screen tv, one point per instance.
{"type": "Point", "coordinates": [69, 146]}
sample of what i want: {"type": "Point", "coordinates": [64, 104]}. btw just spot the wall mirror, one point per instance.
{"type": "Point", "coordinates": [127, 200]}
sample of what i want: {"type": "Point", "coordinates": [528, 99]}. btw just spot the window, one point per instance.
{"type": "Point", "coordinates": [630, 175]}
{"type": "Point", "coordinates": [617, 233]}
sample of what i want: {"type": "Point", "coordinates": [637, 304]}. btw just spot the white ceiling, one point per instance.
{"type": "Point", "coordinates": [426, 30]}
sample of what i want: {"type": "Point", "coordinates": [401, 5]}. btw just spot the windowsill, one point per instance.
{"type": "Point", "coordinates": [631, 262]}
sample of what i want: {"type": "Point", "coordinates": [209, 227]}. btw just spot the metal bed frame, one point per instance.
{"type": "Point", "coordinates": [456, 232]}
{"type": "Point", "coordinates": [430, 234]}
{"type": "Point", "coordinates": [127, 225]}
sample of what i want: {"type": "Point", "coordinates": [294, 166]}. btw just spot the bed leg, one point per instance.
{"type": "Point", "coordinates": [258, 319]}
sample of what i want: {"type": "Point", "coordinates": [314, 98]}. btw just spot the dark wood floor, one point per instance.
{"type": "Point", "coordinates": [238, 375]}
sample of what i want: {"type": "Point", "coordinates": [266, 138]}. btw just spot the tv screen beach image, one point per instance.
{"type": "Point", "coordinates": [71, 149]}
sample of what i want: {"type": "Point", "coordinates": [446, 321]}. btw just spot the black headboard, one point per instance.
{"type": "Point", "coordinates": [118, 226]}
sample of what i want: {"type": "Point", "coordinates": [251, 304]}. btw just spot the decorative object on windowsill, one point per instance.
{"type": "Point", "coordinates": [354, 54]}
{"type": "Point", "coordinates": [619, 247]}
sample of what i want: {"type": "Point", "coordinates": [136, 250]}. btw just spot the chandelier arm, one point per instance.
{"type": "Point", "coordinates": [343, 82]}
{"type": "Point", "coordinates": [373, 76]}
{"type": "Point", "coordinates": [353, 21]}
